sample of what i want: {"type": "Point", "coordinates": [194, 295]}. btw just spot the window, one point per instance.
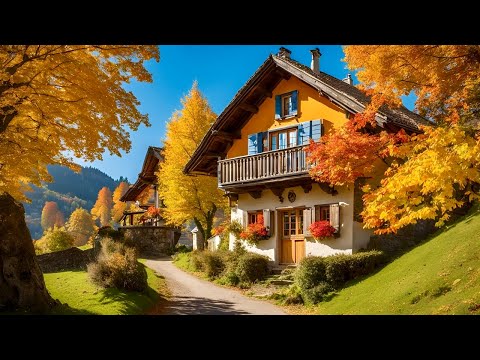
{"type": "Point", "coordinates": [283, 139]}
{"type": "Point", "coordinates": [286, 105]}
{"type": "Point", "coordinates": [329, 213]}
{"type": "Point", "coordinates": [253, 216]}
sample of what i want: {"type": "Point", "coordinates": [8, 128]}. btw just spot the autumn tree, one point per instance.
{"type": "Point", "coordinates": [102, 209]}
{"type": "Point", "coordinates": [427, 175]}
{"type": "Point", "coordinates": [51, 216]}
{"type": "Point", "coordinates": [119, 206]}
{"type": "Point", "coordinates": [188, 197]}
{"type": "Point", "coordinates": [81, 226]}
{"type": "Point", "coordinates": [59, 101]}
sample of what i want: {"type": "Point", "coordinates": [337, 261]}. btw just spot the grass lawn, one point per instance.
{"type": "Point", "coordinates": [440, 276]}
{"type": "Point", "coordinates": [75, 289]}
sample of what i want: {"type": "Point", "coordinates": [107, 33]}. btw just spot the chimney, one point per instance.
{"type": "Point", "coordinates": [348, 79]}
{"type": "Point", "coordinates": [315, 65]}
{"type": "Point", "coordinates": [284, 53]}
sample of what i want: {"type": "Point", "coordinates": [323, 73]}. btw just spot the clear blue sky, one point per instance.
{"type": "Point", "coordinates": [220, 71]}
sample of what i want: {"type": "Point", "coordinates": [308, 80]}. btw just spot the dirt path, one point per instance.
{"type": "Point", "coordinates": [194, 296]}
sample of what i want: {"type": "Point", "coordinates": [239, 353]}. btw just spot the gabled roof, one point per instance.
{"type": "Point", "coordinates": [146, 176]}
{"type": "Point", "coordinates": [246, 101]}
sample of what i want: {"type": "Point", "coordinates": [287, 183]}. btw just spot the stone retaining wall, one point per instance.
{"type": "Point", "coordinates": [151, 240]}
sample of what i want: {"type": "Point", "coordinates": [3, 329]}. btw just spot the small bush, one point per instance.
{"type": "Point", "coordinates": [315, 273]}
{"type": "Point", "coordinates": [317, 293]}
{"type": "Point", "coordinates": [310, 272]}
{"type": "Point", "coordinates": [108, 231]}
{"type": "Point", "coordinates": [251, 267]}
{"type": "Point", "coordinates": [180, 248]}
{"type": "Point", "coordinates": [213, 263]}
{"type": "Point", "coordinates": [196, 260]}
{"type": "Point", "coordinates": [117, 266]}
{"type": "Point", "coordinates": [229, 278]}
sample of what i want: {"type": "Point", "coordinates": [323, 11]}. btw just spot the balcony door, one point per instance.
{"type": "Point", "coordinates": [283, 139]}
{"type": "Point", "coordinates": [292, 237]}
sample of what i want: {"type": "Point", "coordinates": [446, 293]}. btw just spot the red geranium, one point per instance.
{"type": "Point", "coordinates": [321, 229]}
{"type": "Point", "coordinates": [255, 232]}
{"type": "Point", "coordinates": [218, 230]}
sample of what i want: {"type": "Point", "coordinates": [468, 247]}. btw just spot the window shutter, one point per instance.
{"type": "Point", "coordinates": [278, 107]}
{"type": "Point", "coordinates": [294, 103]}
{"type": "Point", "coordinates": [304, 130]}
{"type": "Point", "coordinates": [335, 216]}
{"type": "Point", "coordinates": [267, 221]}
{"type": "Point", "coordinates": [307, 220]}
{"type": "Point", "coordinates": [245, 219]}
{"type": "Point", "coordinates": [259, 143]}
{"type": "Point", "coordinates": [252, 144]}
{"type": "Point", "coordinates": [265, 137]}
{"type": "Point", "coordinates": [316, 130]}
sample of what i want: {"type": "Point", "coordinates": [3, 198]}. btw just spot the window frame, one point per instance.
{"type": "Point", "coordinates": [251, 214]}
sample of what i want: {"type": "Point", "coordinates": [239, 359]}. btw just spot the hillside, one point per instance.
{"type": "Point", "coordinates": [440, 276]}
{"type": "Point", "coordinates": [69, 190]}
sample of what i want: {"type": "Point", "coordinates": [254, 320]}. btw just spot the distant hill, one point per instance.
{"type": "Point", "coordinates": [69, 190]}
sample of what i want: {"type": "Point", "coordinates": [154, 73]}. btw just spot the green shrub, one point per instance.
{"type": "Point", "coordinates": [196, 260]}
{"type": "Point", "coordinates": [213, 263]}
{"type": "Point", "coordinates": [108, 231]}
{"type": "Point", "coordinates": [117, 266]}
{"type": "Point", "coordinates": [229, 278]}
{"type": "Point", "coordinates": [315, 273]}
{"type": "Point", "coordinates": [310, 272]}
{"type": "Point", "coordinates": [251, 267]}
{"type": "Point", "coordinates": [181, 248]}
{"type": "Point", "coordinates": [317, 293]}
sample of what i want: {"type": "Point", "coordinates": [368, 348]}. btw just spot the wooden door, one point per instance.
{"type": "Point", "coordinates": [292, 237]}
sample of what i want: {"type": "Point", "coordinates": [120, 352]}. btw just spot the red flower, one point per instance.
{"type": "Point", "coordinates": [255, 232]}
{"type": "Point", "coordinates": [322, 229]}
{"type": "Point", "coordinates": [218, 230]}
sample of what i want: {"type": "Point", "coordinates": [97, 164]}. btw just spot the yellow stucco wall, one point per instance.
{"type": "Point", "coordinates": [311, 106]}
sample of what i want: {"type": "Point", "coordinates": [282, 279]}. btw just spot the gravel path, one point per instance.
{"type": "Point", "coordinates": [194, 296]}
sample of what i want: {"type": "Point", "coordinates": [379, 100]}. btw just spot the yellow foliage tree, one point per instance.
{"type": "Point", "coordinates": [102, 209]}
{"type": "Point", "coordinates": [188, 197]}
{"type": "Point", "coordinates": [55, 98]}
{"type": "Point", "coordinates": [57, 101]}
{"type": "Point", "coordinates": [81, 226]}
{"type": "Point", "coordinates": [119, 206]}
{"type": "Point", "coordinates": [51, 216]}
{"type": "Point", "coordinates": [437, 171]}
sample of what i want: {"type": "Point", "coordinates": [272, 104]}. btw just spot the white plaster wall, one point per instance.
{"type": "Point", "coordinates": [361, 236]}
{"type": "Point", "coordinates": [342, 244]}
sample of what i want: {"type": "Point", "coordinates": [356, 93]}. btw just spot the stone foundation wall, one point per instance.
{"type": "Point", "coordinates": [151, 240]}
{"type": "Point", "coordinates": [70, 259]}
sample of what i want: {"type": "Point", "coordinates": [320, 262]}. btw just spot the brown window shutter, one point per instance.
{"type": "Point", "coordinates": [307, 220]}
{"type": "Point", "coordinates": [245, 219]}
{"type": "Point", "coordinates": [267, 221]}
{"type": "Point", "coordinates": [335, 216]}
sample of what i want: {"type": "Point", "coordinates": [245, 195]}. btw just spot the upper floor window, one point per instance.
{"type": "Point", "coordinates": [286, 105]}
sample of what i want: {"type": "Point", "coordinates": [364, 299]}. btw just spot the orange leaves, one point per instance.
{"type": "Point", "coordinates": [345, 155]}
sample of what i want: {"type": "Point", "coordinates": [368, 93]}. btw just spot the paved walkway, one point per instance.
{"type": "Point", "coordinates": [194, 296]}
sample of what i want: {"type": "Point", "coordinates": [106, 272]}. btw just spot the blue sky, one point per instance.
{"type": "Point", "coordinates": [220, 71]}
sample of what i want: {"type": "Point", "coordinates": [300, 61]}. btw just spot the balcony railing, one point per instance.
{"type": "Point", "coordinates": [267, 165]}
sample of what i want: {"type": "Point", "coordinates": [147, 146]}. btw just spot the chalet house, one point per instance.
{"type": "Point", "coordinates": [256, 149]}
{"type": "Point", "coordinates": [150, 235]}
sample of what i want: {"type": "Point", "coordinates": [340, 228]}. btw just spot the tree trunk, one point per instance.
{"type": "Point", "coordinates": [21, 280]}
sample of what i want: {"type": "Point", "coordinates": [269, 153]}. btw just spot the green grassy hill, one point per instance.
{"type": "Point", "coordinates": [440, 276]}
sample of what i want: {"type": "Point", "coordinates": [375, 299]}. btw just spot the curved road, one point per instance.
{"type": "Point", "coordinates": [194, 296]}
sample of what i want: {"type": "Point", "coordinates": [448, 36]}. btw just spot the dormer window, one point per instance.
{"type": "Point", "coordinates": [286, 105]}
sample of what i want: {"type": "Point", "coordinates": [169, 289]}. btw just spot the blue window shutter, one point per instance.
{"type": "Point", "coordinates": [259, 143]}
{"type": "Point", "coordinates": [278, 107]}
{"type": "Point", "coordinates": [304, 133]}
{"type": "Point", "coordinates": [252, 144]}
{"type": "Point", "coordinates": [316, 130]}
{"type": "Point", "coordinates": [294, 103]}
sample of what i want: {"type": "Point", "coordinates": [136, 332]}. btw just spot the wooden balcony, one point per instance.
{"type": "Point", "coordinates": [265, 167]}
